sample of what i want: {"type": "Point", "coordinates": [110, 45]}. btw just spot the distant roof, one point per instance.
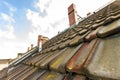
{"type": "Point", "coordinates": [3, 61]}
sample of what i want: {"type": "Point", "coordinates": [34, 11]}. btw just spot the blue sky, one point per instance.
{"type": "Point", "coordinates": [17, 10]}
{"type": "Point", "coordinates": [21, 21]}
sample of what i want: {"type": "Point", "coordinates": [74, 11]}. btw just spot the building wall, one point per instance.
{"type": "Point", "coordinates": [3, 66]}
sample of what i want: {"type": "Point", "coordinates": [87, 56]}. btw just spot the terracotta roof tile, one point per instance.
{"type": "Point", "coordinates": [92, 35]}
{"type": "Point", "coordinates": [74, 77]}
{"type": "Point", "coordinates": [45, 58]}
{"type": "Point", "coordinates": [24, 74]}
{"type": "Point", "coordinates": [36, 61]}
{"type": "Point", "coordinates": [109, 29]}
{"type": "Point", "coordinates": [51, 76]}
{"type": "Point", "coordinates": [16, 72]}
{"type": "Point", "coordinates": [106, 59]}
{"type": "Point", "coordinates": [87, 51]}
{"type": "Point", "coordinates": [35, 75]}
{"type": "Point", "coordinates": [59, 63]}
{"type": "Point", "coordinates": [45, 62]}
{"type": "Point", "coordinates": [77, 61]}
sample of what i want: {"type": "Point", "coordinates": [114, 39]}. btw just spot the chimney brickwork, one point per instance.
{"type": "Point", "coordinates": [41, 40]}
{"type": "Point", "coordinates": [72, 14]}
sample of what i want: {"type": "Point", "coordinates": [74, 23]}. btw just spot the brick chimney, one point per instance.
{"type": "Point", "coordinates": [72, 14]}
{"type": "Point", "coordinates": [41, 40]}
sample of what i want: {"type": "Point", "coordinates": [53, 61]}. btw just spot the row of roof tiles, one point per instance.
{"type": "Point", "coordinates": [24, 72]}
{"type": "Point", "coordinates": [102, 17]}
{"type": "Point", "coordinates": [79, 53]}
{"type": "Point", "coordinates": [81, 59]}
{"type": "Point", "coordinates": [88, 59]}
{"type": "Point", "coordinates": [87, 35]}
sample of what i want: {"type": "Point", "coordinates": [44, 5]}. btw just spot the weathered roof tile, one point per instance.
{"type": "Point", "coordinates": [17, 71]}
{"type": "Point", "coordinates": [51, 76]}
{"type": "Point", "coordinates": [105, 63]}
{"type": "Point", "coordinates": [25, 73]}
{"type": "Point", "coordinates": [59, 63]}
{"type": "Point", "coordinates": [87, 51]}
{"type": "Point", "coordinates": [109, 29]}
{"type": "Point", "coordinates": [77, 61]}
{"type": "Point", "coordinates": [74, 77]}
{"type": "Point", "coordinates": [92, 35]}
{"type": "Point", "coordinates": [35, 75]}
{"type": "Point", "coordinates": [44, 64]}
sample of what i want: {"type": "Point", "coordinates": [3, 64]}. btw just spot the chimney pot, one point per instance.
{"type": "Point", "coordinates": [28, 49]}
{"type": "Point", "coordinates": [19, 55]}
{"type": "Point", "coordinates": [31, 46]}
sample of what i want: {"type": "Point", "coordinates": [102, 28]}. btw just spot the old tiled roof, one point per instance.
{"type": "Point", "coordinates": [88, 51]}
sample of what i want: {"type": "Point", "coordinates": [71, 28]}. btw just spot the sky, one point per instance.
{"type": "Point", "coordinates": [21, 21]}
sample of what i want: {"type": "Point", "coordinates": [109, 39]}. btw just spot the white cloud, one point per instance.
{"type": "Point", "coordinates": [56, 15]}
{"type": "Point", "coordinates": [49, 17]}
{"type": "Point", "coordinates": [48, 25]}
{"type": "Point", "coordinates": [11, 8]}
{"type": "Point", "coordinates": [10, 48]}
{"type": "Point", "coordinates": [9, 44]}
{"type": "Point", "coordinates": [8, 34]}
{"type": "Point", "coordinates": [7, 18]}
{"type": "Point", "coordinates": [7, 37]}
{"type": "Point", "coordinates": [43, 5]}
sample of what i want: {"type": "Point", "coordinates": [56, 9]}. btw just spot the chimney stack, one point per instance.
{"type": "Point", "coordinates": [41, 40]}
{"type": "Point", "coordinates": [72, 14]}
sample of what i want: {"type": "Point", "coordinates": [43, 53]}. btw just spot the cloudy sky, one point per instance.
{"type": "Point", "coordinates": [22, 20]}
